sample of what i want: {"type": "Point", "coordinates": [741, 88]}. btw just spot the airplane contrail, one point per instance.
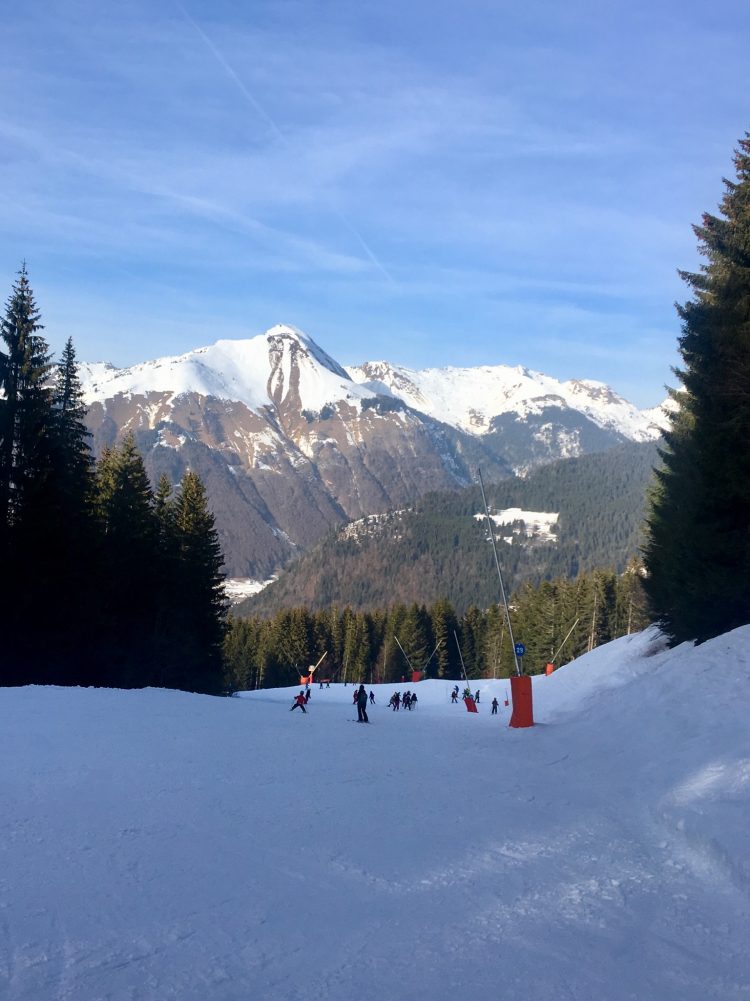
{"type": "Point", "coordinates": [260, 110]}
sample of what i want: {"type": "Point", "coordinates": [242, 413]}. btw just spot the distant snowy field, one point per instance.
{"type": "Point", "coordinates": [159, 846]}
{"type": "Point", "coordinates": [239, 588]}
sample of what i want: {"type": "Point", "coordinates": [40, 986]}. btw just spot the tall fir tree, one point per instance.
{"type": "Point", "coordinates": [26, 420]}
{"type": "Point", "coordinates": [698, 549]}
{"type": "Point", "coordinates": [76, 461]}
{"type": "Point", "coordinates": [74, 549]}
{"type": "Point", "coordinates": [27, 531]}
{"type": "Point", "coordinates": [127, 602]}
{"type": "Point", "coordinates": [202, 599]}
{"type": "Point", "coordinates": [444, 625]}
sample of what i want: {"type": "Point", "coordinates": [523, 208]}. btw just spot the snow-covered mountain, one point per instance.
{"type": "Point", "coordinates": [291, 443]}
{"type": "Point", "coordinates": [161, 845]}
{"type": "Point", "coordinates": [281, 366]}
{"type": "Point", "coordinates": [473, 398]}
{"type": "Point", "coordinates": [285, 364]}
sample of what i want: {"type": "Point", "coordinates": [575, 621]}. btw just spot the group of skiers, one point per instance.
{"type": "Point", "coordinates": [360, 699]}
{"type": "Point", "coordinates": [356, 695]}
{"type": "Point", "coordinates": [465, 695]}
{"type": "Point", "coordinates": [408, 700]}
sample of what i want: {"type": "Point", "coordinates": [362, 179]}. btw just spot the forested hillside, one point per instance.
{"type": "Point", "coordinates": [438, 549]}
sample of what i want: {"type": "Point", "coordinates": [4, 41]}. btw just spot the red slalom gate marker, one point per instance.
{"type": "Point", "coordinates": [523, 710]}
{"type": "Point", "coordinates": [471, 706]}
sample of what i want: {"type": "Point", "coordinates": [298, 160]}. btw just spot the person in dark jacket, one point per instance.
{"type": "Point", "coordinates": [362, 705]}
{"type": "Point", "coordinates": [495, 704]}
{"type": "Point", "coordinates": [299, 701]}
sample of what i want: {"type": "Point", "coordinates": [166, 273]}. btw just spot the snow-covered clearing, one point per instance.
{"type": "Point", "coordinates": [156, 845]}
{"type": "Point", "coordinates": [537, 524]}
{"type": "Point", "coordinates": [239, 588]}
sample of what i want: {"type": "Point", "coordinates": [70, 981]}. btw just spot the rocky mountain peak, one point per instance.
{"type": "Point", "coordinates": [290, 443]}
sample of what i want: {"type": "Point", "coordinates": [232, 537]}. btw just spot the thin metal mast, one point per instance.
{"type": "Point", "coordinates": [461, 657]}
{"type": "Point", "coordinates": [565, 640]}
{"type": "Point", "coordinates": [403, 652]}
{"type": "Point", "coordinates": [499, 574]}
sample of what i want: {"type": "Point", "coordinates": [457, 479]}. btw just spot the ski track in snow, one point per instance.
{"type": "Point", "coordinates": [157, 845]}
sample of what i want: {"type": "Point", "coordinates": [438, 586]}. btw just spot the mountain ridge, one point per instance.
{"type": "Point", "coordinates": [451, 394]}
{"type": "Point", "coordinates": [290, 444]}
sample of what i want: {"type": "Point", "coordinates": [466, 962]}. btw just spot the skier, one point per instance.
{"type": "Point", "coordinates": [299, 701]}
{"type": "Point", "coordinates": [454, 695]}
{"type": "Point", "coordinates": [413, 700]}
{"type": "Point", "coordinates": [354, 700]}
{"type": "Point", "coordinates": [362, 705]}
{"type": "Point", "coordinates": [455, 691]}
{"type": "Point", "coordinates": [307, 696]}
{"type": "Point", "coordinates": [372, 698]}
{"type": "Point", "coordinates": [495, 704]}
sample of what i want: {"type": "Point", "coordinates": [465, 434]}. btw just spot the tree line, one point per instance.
{"type": "Point", "coordinates": [105, 580]}
{"type": "Point", "coordinates": [559, 619]}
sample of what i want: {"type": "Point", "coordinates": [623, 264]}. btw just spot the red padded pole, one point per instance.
{"type": "Point", "coordinates": [523, 708]}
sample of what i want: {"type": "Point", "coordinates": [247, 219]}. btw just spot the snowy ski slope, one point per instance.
{"type": "Point", "coordinates": [157, 846]}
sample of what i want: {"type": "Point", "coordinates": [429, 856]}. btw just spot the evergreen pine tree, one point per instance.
{"type": "Point", "coordinates": [74, 549]}
{"type": "Point", "coordinates": [632, 607]}
{"type": "Point", "coordinates": [127, 603]}
{"type": "Point", "coordinates": [698, 550]}
{"type": "Point", "coordinates": [26, 420]}
{"type": "Point", "coordinates": [444, 623]}
{"type": "Point", "coordinates": [27, 530]}
{"type": "Point", "coordinates": [202, 599]}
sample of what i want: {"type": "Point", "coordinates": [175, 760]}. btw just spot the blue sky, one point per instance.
{"type": "Point", "coordinates": [475, 182]}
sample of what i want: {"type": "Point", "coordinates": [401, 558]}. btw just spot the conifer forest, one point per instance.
{"type": "Point", "coordinates": [556, 621]}
{"type": "Point", "coordinates": [106, 581]}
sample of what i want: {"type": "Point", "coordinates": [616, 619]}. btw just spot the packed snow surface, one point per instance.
{"type": "Point", "coordinates": [157, 846]}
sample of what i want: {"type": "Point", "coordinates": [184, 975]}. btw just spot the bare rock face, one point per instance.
{"type": "Point", "coordinates": [289, 445]}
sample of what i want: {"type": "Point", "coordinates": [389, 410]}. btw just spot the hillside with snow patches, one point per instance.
{"type": "Point", "coordinates": [466, 398]}
{"type": "Point", "coordinates": [159, 845]}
